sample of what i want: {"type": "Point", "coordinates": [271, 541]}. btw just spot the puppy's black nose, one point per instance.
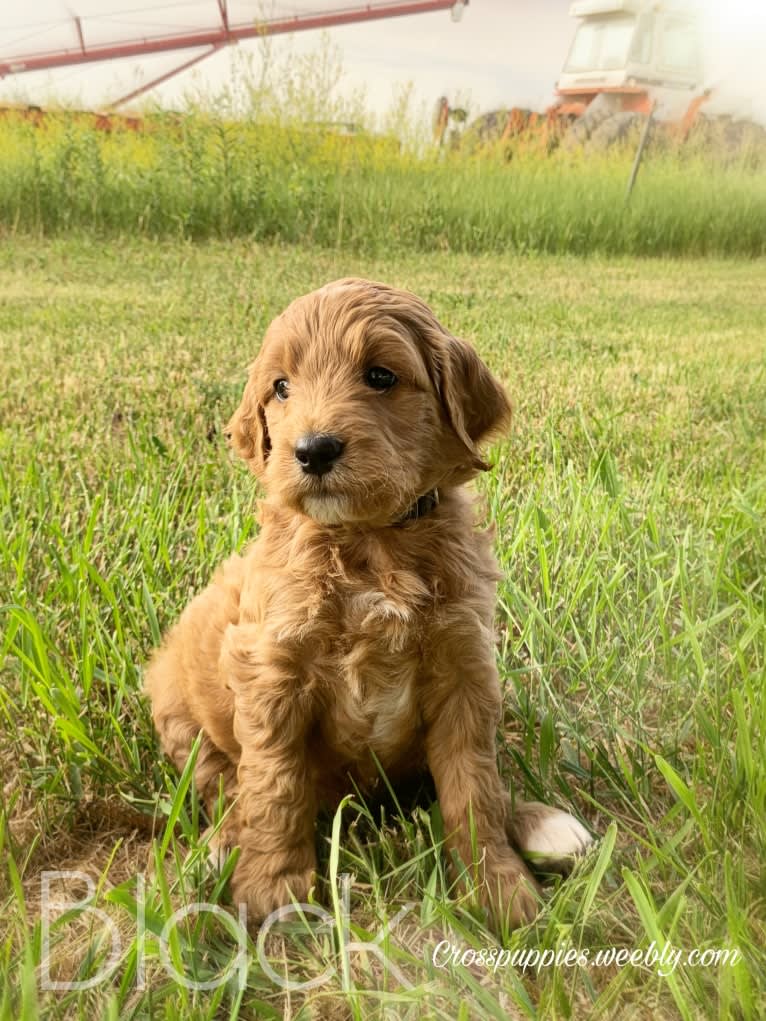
{"type": "Point", "coordinates": [318, 452]}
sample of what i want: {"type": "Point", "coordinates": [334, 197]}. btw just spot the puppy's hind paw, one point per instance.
{"type": "Point", "coordinates": [549, 838]}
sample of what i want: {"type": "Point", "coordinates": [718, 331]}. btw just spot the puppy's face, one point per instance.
{"type": "Point", "coordinates": [360, 402]}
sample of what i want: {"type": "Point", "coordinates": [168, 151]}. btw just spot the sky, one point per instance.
{"type": "Point", "coordinates": [502, 52]}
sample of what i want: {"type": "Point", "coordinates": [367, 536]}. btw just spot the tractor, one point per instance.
{"type": "Point", "coordinates": [628, 58]}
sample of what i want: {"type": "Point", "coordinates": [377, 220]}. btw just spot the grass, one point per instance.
{"type": "Point", "coordinates": [630, 503]}
{"type": "Point", "coordinates": [287, 181]}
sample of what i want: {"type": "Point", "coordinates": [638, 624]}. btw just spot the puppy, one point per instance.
{"type": "Point", "coordinates": [359, 625]}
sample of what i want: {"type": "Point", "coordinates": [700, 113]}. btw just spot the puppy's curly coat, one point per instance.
{"type": "Point", "coordinates": [361, 619]}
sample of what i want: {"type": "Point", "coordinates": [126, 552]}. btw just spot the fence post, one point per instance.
{"type": "Point", "coordinates": [640, 152]}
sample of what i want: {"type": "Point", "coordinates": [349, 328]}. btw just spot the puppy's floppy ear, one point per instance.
{"type": "Point", "coordinates": [246, 429]}
{"type": "Point", "coordinates": [476, 404]}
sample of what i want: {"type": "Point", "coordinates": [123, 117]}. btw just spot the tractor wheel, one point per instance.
{"type": "Point", "coordinates": [615, 130]}
{"type": "Point", "coordinates": [603, 107]}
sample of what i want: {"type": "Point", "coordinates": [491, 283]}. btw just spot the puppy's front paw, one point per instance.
{"type": "Point", "coordinates": [510, 893]}
{"type": "Point", "coordinates": [264, 883]}
{"type": "Point", "coordinates": [220, 843]}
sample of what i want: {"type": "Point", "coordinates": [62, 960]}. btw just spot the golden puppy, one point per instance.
{"type": "Point", "coordinates": [359, 625]}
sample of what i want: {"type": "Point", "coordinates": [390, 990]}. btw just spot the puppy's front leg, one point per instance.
{"type": "Point", "coordinates": [461, 710]}
{"type": "Point", "coordinates": [277, 800]}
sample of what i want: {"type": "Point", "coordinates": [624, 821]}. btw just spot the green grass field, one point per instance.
{"type": "Point", "coordinates": [284, 180]}
{"type": "Point", "coordinates": [630, 504]}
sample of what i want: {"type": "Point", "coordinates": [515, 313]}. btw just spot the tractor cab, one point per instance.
{"type": "Point", "coordinates": [631, 46]}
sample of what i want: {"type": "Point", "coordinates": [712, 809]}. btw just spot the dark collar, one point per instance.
{"type": "Point", "coordinates": [422, 506]}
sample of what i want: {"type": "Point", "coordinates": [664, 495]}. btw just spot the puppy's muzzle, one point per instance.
{"type": "Point", "coordinates": [318, 452]}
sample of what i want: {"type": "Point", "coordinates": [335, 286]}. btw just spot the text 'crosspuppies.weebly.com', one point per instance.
{"type": "Point", "coordinates": [663, 959]}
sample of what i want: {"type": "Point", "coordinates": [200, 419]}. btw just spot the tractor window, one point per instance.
{"type": "Point", "coordinates": [641, 50]}
{"type": "Point", "coordinates": [615, 43]}
{"type": "Point", "coordinates": [601, 45]}
{"type": "Point", "coordinates": [679, 48]}
{"type": "Point", "coordinates": [582, 56]}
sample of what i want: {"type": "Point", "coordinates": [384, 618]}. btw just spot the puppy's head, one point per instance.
{"type": "Point", "coordinates": [359, 402]}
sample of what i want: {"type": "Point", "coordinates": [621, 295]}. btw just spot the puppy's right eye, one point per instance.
{"type": "Point", "coordinates": [379, 378]}
{"type": "Point", "coordinates": [281, 389]}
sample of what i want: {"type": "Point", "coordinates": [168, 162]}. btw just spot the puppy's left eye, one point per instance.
{"type": "Point", "coordinates": [379, 378]}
